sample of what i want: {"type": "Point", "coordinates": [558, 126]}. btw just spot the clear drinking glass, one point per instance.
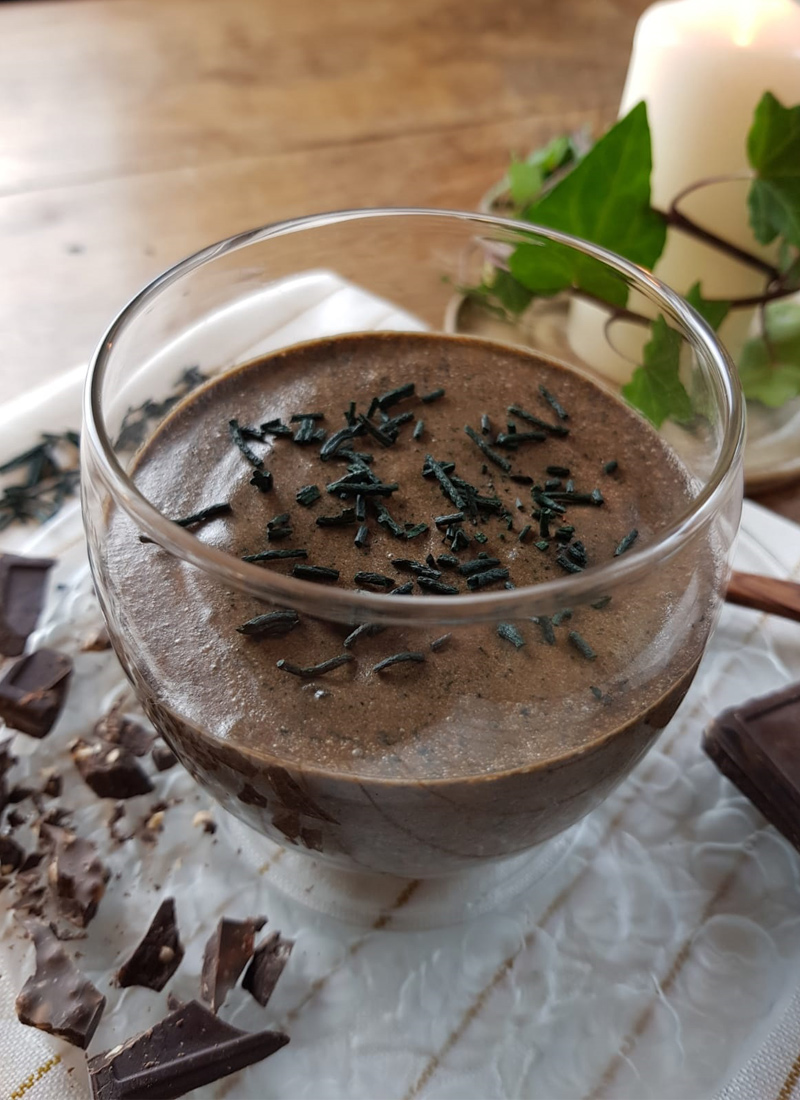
{"type": "Point", "coordinates": [399, 805]}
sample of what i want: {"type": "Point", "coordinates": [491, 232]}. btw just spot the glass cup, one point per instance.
{"type": "Point", "coordinates": [436, 779]}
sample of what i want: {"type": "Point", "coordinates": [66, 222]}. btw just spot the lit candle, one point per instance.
{"type": "Point", "coordinates": [701, 66]}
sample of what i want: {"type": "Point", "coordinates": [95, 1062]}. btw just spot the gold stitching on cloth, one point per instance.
{"type": "Point", "coordinates": [32, 1078]}
{"type": "Point", "coordinates": [792, 1077]}
{"type": "Point", "coordinates": [475, 1008]}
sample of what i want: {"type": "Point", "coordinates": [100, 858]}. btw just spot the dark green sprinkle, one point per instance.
{"type": "Point", "coordinates": [430, 560]}
{"type": "Point", "coordinates": [447, 561]}
{"type": "Point", "coordinates": [553, 429]}
{"type": "Point", "coordinates": [362, 536]}
{"type": "Point", "coordinates": [275, 624]}
{"type": "Point", "coordinates": [398, 659]}
{"type": "Point", "coordinates": [334, 442]}
{"type": "Point", "coordinates": [567, 564]}
{"type": "Point", "coordinates": [307, 495]}
{"type": "Point", "coordinates": [279, 520]}
{"type": "Point", "coordinates": [373, 407]}
{"type": "Point", "coordinates": [391, 397]}
{"type": "Point", "coordinates": [570, 486]}
{"type": "Point", "coordinates": [562, 616]}
{"type": "Point", "coordinates": [510, 586]}
{"type": "Point", "coordinates": [428, 470]}
{"type": "Point", "coordinates": [308, 432]}
{"type": "Point", "coordinates": [477, 565]}
{"type": "Point", "coordinates": [544, 524]}
{"type": "Point", "coordinates": [482, 580]}
{"type": "Point", "coordinates": [572, 498]}
{"type": "Point", "coordinates": [627, 542]}
{"type": "Point", "coordinates": [546, 626]}
{"type": "Point", "coordinates": [524, 534]}
{"type": "Point", "coordinates": [490, 453]}
{"type": "Point", "coordinates": [564, 534]}
{"type": "Point", "coordinates": [604, 601]}
{"type": "Point", "coordinates": [448, 488]}
{"type": "Point", "coordinates": [518, 504]}
{"type": "Point", "coordinates": [439, 643]}
{"type": "Point", "coordinates": [511, 427]}
{"type": "Point", "coordinates": [204, 514]}
{"type": "Point", "coordinates": [558, 471]}
{"type": "Point", "coordinates": [599, 696]}
{"type": "Point", "coordinates": [611, 467]}
{"type": "Point", "coordinates": [316, 670]}
{"type": "Point", "coordinates": [446, 521]}
{"type": "Point", "coordinates": [420, 569]}
{"type": "Point", "coordinates": [415, 530]}
{"type": "Point", "coordinates": [276, 555]}
{"type": "Point", "coordinates": [300, 417]}
{"type": "Point", "coordinates": [276, 534]}
{"type": "Point", "coordinates": [486, 424]}
{"type": "Point", "coordinates": [381, 436]}
{"type": "Point", "coordinates": [241, 443]}
{"type": "Point", "coordinates": [392, 423]}
{"type": "Point", "coordinates": [386, 521]}
{"type": "Point", "coordinates": [522, 479]}
{"type": "Point", "coordinates": [542, 544]}
{"type": "Point", "coordinates": [361, 508]}
{"type": "Point", "coordinates": [545, 501]}
{"type": "Point", "coordinates": [438, 588]}
{"type": "Point", "coordinates": [275, 427]}
{"type": "Point", "coordinates": [513, 439]}
{"type": "Point", "coordinates": [341, 519]}
{"type": "Point", "coordinates": [403, 589]}
{"type": "Point", "coordinates": [554, 483]}
{"type": "Point", "coordinates": [509, 633]}
{"type": "Point", "coordinates": [554, 404]}
{"type": "Point", "coordinates": [419, 428]}
{"type": "Point", "coordinates": [366, 630]}
{"type": "Point", "coordinates": [374, 580]}
{"type": "Point", "coordinates": [597, 496]}
{"type": "Point", "coordinates": [360, 488]}
{"type": "Point", "coordinates": [434, 395]}
{"type": "Point", "coordinates": [480, 537]}
{"type": "Point", "coordinates": [577, 552]}
{"type": "Point", "coordinates": [350, 413]}
{"type": "Point", "coordinates": [582, 646]}
{"type": "Point", "coordinates": [262, 479]}
{"type": "Point", "coordinates": [315, 573]}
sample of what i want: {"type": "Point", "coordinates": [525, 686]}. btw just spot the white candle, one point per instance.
{"type": "Point", "coordinates": [701, 66]}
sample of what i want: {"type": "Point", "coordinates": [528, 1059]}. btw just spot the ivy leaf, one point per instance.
{"type": "Point", "coordinates": [712, 310]}
{"type": "Point", "coordinates": [655, 388]}
{"type": "Point", "coordinates": [773, 149]}
{"type": "Point", "coordinates": [527, 177]}
{"type": "Point", "coordinates": [769, 369]}
{"type": "Point", "coordinates": [502, 296]}
{"type": "Point", "coordinates": [524, 182]}
{"type": "Point", "coordinates": [606, 199]}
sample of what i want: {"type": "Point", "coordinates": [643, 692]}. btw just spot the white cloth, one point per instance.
{"type": "Point", "coordinates": [657, 959]}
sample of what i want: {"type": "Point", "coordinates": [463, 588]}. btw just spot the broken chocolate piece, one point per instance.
{"type": "Point", "coordinates": [225, 956]}
{"type": "Point", "coordinates": [23, 582]}
{"type": "Point", "coordinates": [58, 997]}
{"type": "Point", "coordinates": [12, 854]}
{"type": "Point", "coordinates": [51, 788]}
{"type": "Point", "coordinates": [77, 876]}
{"type": "Point", "coordinates": [755, 746]}
{"type": "Point", "coordinates": [33, 691]}
{"type": "Point", "coordinates": [120, 730]}
{"type": "Point", "coordinates": [188, 1049]}
{"type": "Point", "coordinates": [110, 770]}
{"type": "Point", "coordinates": [266, 967]}
{"type": "Point", "coordinates": [159, 953]}
{"type": "Point", "coordinates": [163, 757]}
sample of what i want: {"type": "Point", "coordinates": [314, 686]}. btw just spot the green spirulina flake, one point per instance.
{"type": "Point", "coordinates": [542, 544]}
{"type": "Point", "coordinates": [409, 565]}
{"type": "Point", "coordinates": [398, 659]}
{"type": "Point", "coordinates": [391, 397]}
{"type": "Point", "coordinates": [307, 432]}
{"type": "Point", "coordinates": [597, 496]}
{"type": "Point", "coordinates": [342, 519]}
{"type": "Point", "coordinates": [480, 537]}
{"type": "Point", "coordinates": [562, 616]}
{"type": "Point", "coordinates": [513, 439]}
{"type": "Point", "coordinates": [570, 486]}
{"type": "Point", "coordinates": [482, 580]}
{"type": "Point", "coordinates": [564, 534]}
{"type": "Point", "coordinates": [350, 414]}
{"type": "Point", "coordinates": [275, 534]}
{"type": "Point", "coordinates": [437, 588]}
{"type": "Point", "coordinates": [552, 429]}
{"type": "Point", "coordinates": [366, 630]}
{"type": "Point", "coordinates": [262, 479]}
{"type": "Point", "coordinates": [419, 428]}
{"type": "Point", "coordinates": [579, 642]}
{"type": "Point", "coordinates": [374, 580]}
{"type": "Point", "coordinates": [362, 536]}
{"type": "Point", "coordinates": [429, 470]}
{"type": "Point", "coordinates": [381, 436]}
{"type": "Point", "coordinates": [544, 523]}
{"type": "Point", "coordinates": [521, 479]}
{"type": "Point", "coordinates": [363, 488]}
{"type": "Point", "coordinates": [459, 539]}
{"type": "Point", "coordinates": [298, 418]}
{"type": "Point", "coordinates": [205, 514]}
{"type": "Point", "coordinates": [490, 453]}
{"type": "Point", "coordinates": [240, 442]}
{"type": "Point", "coordinates": [392, 423]}
{"type": "Point", "coordinates": [509, 633]}
{"type": "Point", "coordinates": [610, 467]}
{"type": "Point", "coordinates": [315, 573]}
{"type": "Point", "coordinates": [447, 561]}
{"type": "Point", "coordinates": [446, 521]}
{"type": "Point", "coordinates": [279, 520]}
{"type": "Point", "coordinates": [486, 424]}
{"type": "Point", "coordinates": [389, 524]}
{"type": "Point", "coordinates": [439, 643]}
{"type": "Point", "coordinates": [627, 542]}
{"type": "Point", "coordinates": [557, 471]}
{"type": "Point", "coordinates": [276, 555]}
{"type": "Point", "coordinates": [477, 565]}
{"type": "Point", "coordinates": [525, 533]}
{"type": "Point", "coordinates": [275, 624]}
{"type": "Point", "coordinates": [554, 404]}
{"type": "Point", "coordinates": [434, 395]}
{"type": "Point", "coordinates": [553, 483]}
{"type": "Point", "coordinates": [577, 553]}
{"type": "Point", "coordinates": [546, 626]}
{"type": "Point", "coordinates": [403, 589]}
{"type": "Point", "coordinates": [567, 564]}
{"type": "Point", "coordinates": [275, 427]}
{"type": "Point", "coordinates": [315, 670]}
{"type": "Point", "coordinates": [307, 495]}
{"type": "Point", "coordinates": [361, 508]}
{"type": "Point", "coordinates": [415, 530]}
{"type": "Point", "coordinates": [598, 605]}
{"type": "Point", "coordinates": [334, 442]}
{"type": "Point", "coordinates": [599, 696]}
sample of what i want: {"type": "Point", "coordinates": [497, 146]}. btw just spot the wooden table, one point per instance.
{"type": "Point", "coordinates": [135, 131]}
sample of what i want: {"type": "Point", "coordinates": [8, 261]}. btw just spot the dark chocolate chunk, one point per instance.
{"type": "Point", "coordinates": [110, 770]}
{"type": "Point", "coordinates": [266, 966]}
{"type": "Point", "coordinates": [163, 757]}
{"type": "Point", "coordinates": [76, 874]}
{"type": "Point", "coordinates": [159, 953]}
{"type": "Point", "coordinates": [120, 730]}
{"type": "Point", "coordinates": [188, 1049]}
{"type": "Point", "coordinates": [51, 788]}
{"type": "Point", "coordinates": [755, 746]}
{"type": "Point", "coordinates": [33, 691]}
{"type": "Point", "coordinates": [225, 956]}
{"type": "Point", "coordinates": [23, 582]}
{"type": "Point", "coordinates": [12, 854]}
{"type": "Point", "coordinates": [58, 997]}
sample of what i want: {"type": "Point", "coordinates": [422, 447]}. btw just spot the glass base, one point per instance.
{"type": "Point", "coordinates": [387, 902]}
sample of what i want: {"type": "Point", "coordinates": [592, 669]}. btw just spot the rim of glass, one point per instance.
{"type": "Point", "coordinates": [358, 605]}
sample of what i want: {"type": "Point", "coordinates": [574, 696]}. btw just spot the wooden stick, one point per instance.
{"type": "Point", "coordinates": [769, 594]}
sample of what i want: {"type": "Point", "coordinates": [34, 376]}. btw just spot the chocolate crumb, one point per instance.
{"type": "Point", "coordinates": [163, 757]}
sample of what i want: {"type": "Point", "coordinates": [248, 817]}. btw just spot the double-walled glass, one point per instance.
{"type": "Point", "coordinates": [531, 755]}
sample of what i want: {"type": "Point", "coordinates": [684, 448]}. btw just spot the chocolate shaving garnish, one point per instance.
{"type": "Point", "coordinates": [33, 691]}
{"type": "Point", "coordinates": [274, 624]}
{"type": "Point", "coordinates": [225, 956]}
{"type": "Point", "coordinates": [58, 998]}
{"type": "Point", "coordinates": [110, 770]}
{"type": "Point", "coordinates": [158, 955]}
{"type": "Point", "coordinates": [188, 1049]}
{"type": "Point", "coordinates": [163, 757]}
{"type": "Point", "coordinates": [398, 659]}
{"type": "Point", "coordinates": [23, 584]}
{"type": "Point", "coordinates": [315, 670]}
{"type": "Point", "coordinates": [266, 967]}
